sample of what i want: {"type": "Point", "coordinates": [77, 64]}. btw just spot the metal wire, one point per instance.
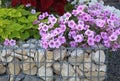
{"type": "Point", "coordinates": [61, 62]}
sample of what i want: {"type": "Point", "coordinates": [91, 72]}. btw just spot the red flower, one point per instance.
{"type": "Point", "coordinates": [32, 2]}
{"type": "Point", "coordinates": [47, 5]}
{"type": "Point", "coordinates": [44, 5]}
{"type": "Point", "coordinates": [24, 2]}
{"type": "Point", "coordinates": [15, 2]}
{"type": "Point", "coordinates": [58, 6]}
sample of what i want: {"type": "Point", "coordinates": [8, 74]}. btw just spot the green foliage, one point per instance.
{"type": "Point", "coordinates": [69, 7]}
{"type": "Point", "coordinates": [17, 24]}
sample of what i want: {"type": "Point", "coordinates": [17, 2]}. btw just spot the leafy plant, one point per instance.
{"type": "Point", "coordinates": [17, 24]}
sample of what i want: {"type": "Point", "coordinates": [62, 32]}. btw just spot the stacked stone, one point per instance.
{"type": "Point", "coordinates": [28, 62]}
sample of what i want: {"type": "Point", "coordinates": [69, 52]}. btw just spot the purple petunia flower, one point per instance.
{"type": "Point", "coordinates": [78, 38]}
{"type": "Point", "coordinates": [90, 33]}
{"type": "Point", "coordinates": [44, 44]}
{"type": "Point", "coordinates": [12, 42]}
{"type": "Point", "coordinates": [45, 28]}
{"type": "Point", "coordinates": [80, 27]}
{"type": "Point", "coordinates": [73, 44]}
{"type": "Point", "coordinates": [36, 22]}
{"type": "Point", "coordinates": [72, 33]}
{"type": "Point", "coordinates": [110, 22]}
{"type": "Point", "coordinates": [46, 14]}
{"type": "Point", "coordinates": [28, 5]}
{"type": "Point", "coordinates": [52, 19]}
{"type": "Point", "coordinates": [113, 37]}
{"type": "Point", "coordinates": [67, 15]}
{"type": "Point", "coordinates": [33, 11]}
{"type": "Point", "coordinates": [42, 33]}
{"type": "Point", "coordinates": [40, 17]}
{"type": "Point", "coordinates": [63, 28]}
{"type": "Point", "coordinates": [57, 44]}
{"type": "Point", "coordinates": [104, 35]}
{"type": "Point", "coordinates": [97, 38]}
{"type": "Point", "coordinates": [115, 46]}
{"type": "Point", "coordinates": [6, 42]}
{"type": "Point", "coordinates": [75, 12]}
{"type": "Point", "coordinates": [86, 18]}
{"type": "Point", "coordinates": [86, 27]}
{"type": "Point", "coordinates": [71, 24]}
{"type": "Point", "coordinates": [100, 23]}
{"type": "Point", "coordinates": [91, 41]}
{"type": "Point", "coordinates": [62, 39]}
{"type": "Point", "coordinates": [51, 44]}
{"type": "Point", "coordinates": [107, 44]}
{"type": "Point", "coordinates": [81, 7]}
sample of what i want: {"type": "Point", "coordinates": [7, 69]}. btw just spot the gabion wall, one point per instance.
{"type": "Point", "coordinates": [29, 62]}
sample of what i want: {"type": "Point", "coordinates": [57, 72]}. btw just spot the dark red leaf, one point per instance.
{"type": "Point", "coordinates": [45, 4]}
{"type": "Point", "coordinates": [15, 2]}
{"type": "Point", "coordinates": [59, 8]}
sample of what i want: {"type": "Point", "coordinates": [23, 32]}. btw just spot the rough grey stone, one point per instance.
{"type": "Point", "coordinates": [4, 78]}
{"type": "Point", "coordinates": [19, 77]}
{"type": "Point", "coordinates": [32, 78]}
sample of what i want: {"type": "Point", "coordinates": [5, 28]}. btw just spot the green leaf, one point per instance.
{"type": "Point", "coordinates": [32, 18]}
{"type": "Point", "coordinates": [36, 36]}
{"type": "Point", "coordinates": [56, 25]}
{"type": "Point", "coordinates": [24, 12]}
{"type": "Point", "coordinates": [37, 13]}
{"type": "Point", "coordinates": [35, 27]}
{"type": "Point", "coordinates": [23, 20]}
{"type": "Point", "coordinates": [20, 7]}
{"type": "Point", "coordinates": [4, 22]}
{"type": "Point", "coordinates": [14, 27]}
{"type": "Point", "coordinates": [1, 23]}
{"type": "Point", "coordinates": [69, 7]}
{"type": "Point", "coordinates": [5, 34]}
{"type": "Point", "coordinates": [1, 30]}
{"type": "Point", "coordinates": [14, 13]}
{"type": "Point", "coordinates": [25, 35]}
{"type": "Point", "coordinates": [3, 12]}
{"type": "Point", "coordinates": [14, 35]}
{"type": "Point", "coordinates": [44, 20]}
{"type": "Point", "coordinates": [28, 26]}
{"type": "Point", "coordinates": [1, 39]}
{"type": "Point", "coordinates": [18, 14]}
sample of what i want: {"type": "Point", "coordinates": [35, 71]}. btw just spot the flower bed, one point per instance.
{"type": "Point", "coordinates": [84, 27]}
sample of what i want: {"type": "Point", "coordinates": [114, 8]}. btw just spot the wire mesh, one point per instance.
{"type": "Point", "coordinates": [39, 66]}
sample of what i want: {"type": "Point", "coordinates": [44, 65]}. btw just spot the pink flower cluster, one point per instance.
{"type": "Point", "coordinates": [84, 26]}
{"type": "Point", "coordinates": [8, 42]}
{"type": "Point", "coordinates": [50, 36]}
